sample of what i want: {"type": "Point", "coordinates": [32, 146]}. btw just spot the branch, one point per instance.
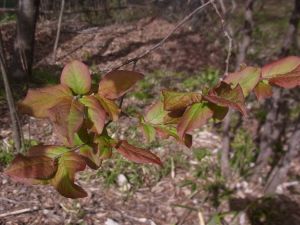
{"type": "Point", "coordinates": [159, 44]}
{"type": "Point", "coordinates": [58, 29]}
{"type": "Point", "coordinates": [16, 126]}
{"type": "Point", "coordinates": [20, 211]}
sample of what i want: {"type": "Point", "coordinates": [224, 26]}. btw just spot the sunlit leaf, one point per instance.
{"type": "Point", "coordinates": [225, 96]}
{"type": "Point", "coordinates": [75, 119]}
{"type": "Point", "coordinates": [247, 78]}
{"type": "Point", "coordinates": [194, 117]}
{"type": "Point", "coordinates": [38, 101]}
{"type": "Point", "coordinates": [96, 112]}
{"type": "Point", "coordinates": [137, 155]}
{"type": "Point", "coordinates": [91, 156]}
{"type": "Point", "coordinates": [155, 113]}
{"type": "Point", "coordinates": [76, 75]}
{"type": "Point", "coordinates": [116, 83]}
{"type": "Point", "coordinates": [179, 100]}
{"type": "Point", "coordinates": [110, 107]}
{"type": "Point", "coordinates": [263, 90]}
{"type": "Point", "coordinates": [63, 181]}
{"type": "Point", "coordinates": [36, 167]}
{"type": "Point", "coordinates": [288, 80]}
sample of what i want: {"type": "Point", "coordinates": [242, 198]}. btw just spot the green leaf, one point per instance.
{"type": "Point", "coordinates": [75, 119]}
{"type": "Point", "coordinates": [224, 95]}
{"type": "Point", "coordinates": [116, 83]}
{"type": "Point", "coordinates": [110, 107]}
{"type": "Point", "coordinates": [194, 117]}
{"type": "Point", "coordinates": [63, 181]}
{"type": "Point", "coordinates": [36, 167]}
{"type": "Point", "coordinates": [148, 131]}
{"type": "Point", "coordinates": [38, 101]}
{"type": "Point", "coordinates": [284, 72]}
{"type": "Point", "coordinates": [96, 112]}
{"type": "Point", "coordinates": [263, 90]}
{"type": "Point", "coordinates": [247, 78]}
{"type": "Point", "coordinates": [137, 155]}
{"type": "Point", "coordinates": [156, 114]}
{"type": "Point", "coordinates": [76, 75]}
{"type": "Point", "coordinates": [179, 100]}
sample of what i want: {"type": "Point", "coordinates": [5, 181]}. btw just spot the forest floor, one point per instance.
{"type": "Point", "coordinates": [187, 188]}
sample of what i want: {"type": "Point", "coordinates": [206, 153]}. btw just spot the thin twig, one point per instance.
{"type": "Point", "coordinates": [20, 211]}
{"type": "Point", "coordinates": [58, 29]}
{"type": "Point", "coordinates": [227, 35]}
{"type": "Point", "coordinates": [159, 44]}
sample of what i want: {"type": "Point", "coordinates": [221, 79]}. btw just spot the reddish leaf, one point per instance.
{"type": "Point", "coordinates": [148, 132]}
{"type": "Point", "coordinates": [194, 117]}
{"type": "Point", "coordinates": [117, 83]}
{"type": "Point", "coordinates": [36, 167]}
{"type": "Point", "coordinates": [280, 67]}
{"type": "Point", "coordinates": [137, 155]}
{"type": "Point", "coordinates": [51, 151]}
{"type": "Point", "coordinates": [110, 107]}
{"type": "Point", "coordinates": [284, 72]}
{"type": "Point", "coordinates": [225, 96]}
{"type": "Point", "coordinates": [96, 112]}
{"type": "Point", "coordinates": [179, 100]}
{"type": "Point", "coordinates": [76, 75]}
{"type": "Point", "coordinates": [263, 90]}
{"type": "Point", "coordinates": [38, 101]}
{"type": "Point", "coordinates": [63, 181]}
{"type": "Point", "coordinates": [91, 156]}
{"type": "Point", "coordinates": [247, 78]}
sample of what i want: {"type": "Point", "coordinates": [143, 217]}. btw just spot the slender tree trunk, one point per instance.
{"type": "Point", "coordinates": [246, 34]}
{"type": "Point", "coordinates": [24, 43]}
{"type": "Point", "coordinates": [279, 172]}
{"type": "Point", "coordinates": [62, 7]}
{"type": "Point", "coordinates": [15, 122]}
{"type": "Point", "coordinates": [290, 41]}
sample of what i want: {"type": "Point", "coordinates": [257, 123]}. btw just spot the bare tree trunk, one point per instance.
{"type": "Point", "coordinates": [16, 126]}
{"type": "Point", "coordinates": [247, 34]}
{"type": "Point", "coordinates": [225, 151]}
{"type": "Point", "coordinates": [24, 43]}
{"type": "Point", "coordinates": [290, 40]}
{"type": "Point", "coordinates": [58, 29]}
{"type": "Point", "coordinates": [279, 172]}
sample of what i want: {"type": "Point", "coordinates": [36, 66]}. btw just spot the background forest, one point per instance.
{"type": "Point", "coordinates": [243, 170]}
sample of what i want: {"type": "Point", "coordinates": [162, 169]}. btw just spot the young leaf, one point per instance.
{"type": "Point", "coordinates": [247, 78]}
{"type": "Point", "coordinates": [116, 83]}
{"type": "Point", "coordinates": [280, 67]}
{"type": "Point", "coordinates": [225, 96]}
{"type": "Point", "coordinates": [51, 151]}
{"type": "Point", "coordinates": [38, 101]}
{"type": "Point", "coordinates": [194, 117]}
{"type": "Point", "coordinates": [110, 107]}
{"type": "Point", "coordinates": [63, 181]}
{"type": "Point", "coordinates": [91, 156]}
{"type": "Point", "coordinates": [36, 167]}
{"type": "Point", "coordinates": [75, 119]}
{"type": "Point", "coordinates": [137, 155]}
{"type": "Point", "coordinates": [288, 80]}
{"type": "Point", "coordinates": [179, 100]}
{"type": "Point", "coordinates": [96, 112]}
{"type": "Point", "coordinates": [76, 75]}
{"type": "Point", "coordinates": [263, 90]}
{"type": "Point", "coordinates": [156, 113]}
{"type": "Point", "coordinates": [148, 131]}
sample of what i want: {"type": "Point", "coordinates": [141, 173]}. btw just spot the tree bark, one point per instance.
{"type": "Point", "coordinates": [24, 43]}
{"type": "Point", "coordinates": [290, 41]}
{"type": "Point", "coordinates": [246, 34]}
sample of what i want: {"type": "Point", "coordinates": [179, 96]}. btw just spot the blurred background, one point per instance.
{"type": "Point", "coordinates": [242, 171]}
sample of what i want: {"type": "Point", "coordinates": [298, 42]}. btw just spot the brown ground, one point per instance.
{"type": "Point", "coordinates": [153, 204]}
